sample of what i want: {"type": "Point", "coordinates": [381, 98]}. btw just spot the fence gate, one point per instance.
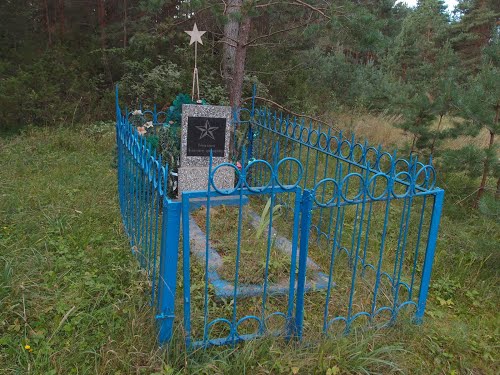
{"type": "Point", "coordinates": [240, 273]}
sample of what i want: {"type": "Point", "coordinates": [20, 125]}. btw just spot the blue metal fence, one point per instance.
{"type": "Point", "coordinates": [321, 233]}
{"type": "Point", "coordinates": [150, 219]}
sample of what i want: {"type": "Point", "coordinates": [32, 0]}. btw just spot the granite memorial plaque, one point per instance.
{"type": "Point", "coordinates": [205, 134]}
{"type": "Point", "coordinates": [204, 128]}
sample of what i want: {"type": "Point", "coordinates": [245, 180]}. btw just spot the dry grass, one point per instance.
{"type": "Point", "coordinates": [381, 129]}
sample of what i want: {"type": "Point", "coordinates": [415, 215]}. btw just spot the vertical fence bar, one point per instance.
{"type": "Point", "coordinates": [305, 222]}
{"type": "Point", "coordinates": [169, 250]}
{"type": "Point", "coordinates": [429, 255]}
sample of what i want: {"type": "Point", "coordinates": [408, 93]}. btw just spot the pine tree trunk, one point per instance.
{"type": "Point", "coordinates": [413, 144]}
{"type": "Point", "coordinates": [239, 62]}
{"type": "Point", "coordinates": [486, 167]}
{"type": "Point", "coordinates": [125, 23]}
{"type": "Point", "coordinates": [438, 129]}
{"type": "Point", "coordinates": [231, 31]}
{"type": "Point", "coordinates": [497, 193]}
{"type": "Point", "coordinates": [62, 19]}
{"type": "Point", "coordinates": [47, 22]}
{"type": "Point", "coordinates": [101, 16]}
{"type": "Point", "coordinates": [236, 88]}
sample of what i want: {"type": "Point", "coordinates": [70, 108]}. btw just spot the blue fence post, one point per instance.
{"type": "Point", "coordinates": [429, 255]}
{"type": "Point", "coordinates": [305, 223]}
{"type": "Point", "coordinates": [250, 128]}
{"type": "Point", "coordinates": [169, 249]}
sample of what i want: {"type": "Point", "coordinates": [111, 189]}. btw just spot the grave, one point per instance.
{"type": "Point", "coordinates": [205, 129]}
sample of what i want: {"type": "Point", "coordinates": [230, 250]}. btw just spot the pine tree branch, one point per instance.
{"type": "Point", "coordinates": [276, 32]}
{"type": "Point", "coordinates": [296, 3]}
{"type": "Point", "coordinates": [307, 5]}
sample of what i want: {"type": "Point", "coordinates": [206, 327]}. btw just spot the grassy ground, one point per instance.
{"type": "Point", "coordinates": [72, 299]}
{"type": "Point", "coordinates": [224, 221]}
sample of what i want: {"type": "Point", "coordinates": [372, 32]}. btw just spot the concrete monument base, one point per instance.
{"type": "Point", "coordinates": [196, 178]}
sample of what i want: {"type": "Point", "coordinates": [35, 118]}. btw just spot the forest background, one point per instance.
{"type": "Point", "coordinates": [430, 71]}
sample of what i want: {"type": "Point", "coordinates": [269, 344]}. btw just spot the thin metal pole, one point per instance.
{"type": "Point", "coordinates": [429, 255]}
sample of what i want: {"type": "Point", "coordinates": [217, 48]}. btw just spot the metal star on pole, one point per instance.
{"type": "Point", "coordinates": [195, 35]}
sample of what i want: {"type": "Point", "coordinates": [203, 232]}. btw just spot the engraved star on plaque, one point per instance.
{"type": "Point", "coordinates": [207, 130]}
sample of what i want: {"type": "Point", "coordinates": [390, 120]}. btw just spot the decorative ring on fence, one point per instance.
{"type": "Point", "coordinates": [137, 150]}
{"type": "Point", "coordinates": [288, 129]}
{"type": "Point", "coordinates": [144, 157]}
{"type": "Point", "coordinates": [248, 318]}
{"type": "Point", "coordinates": [323, 141]}
{"type": "Point", "coordinates": [282, 124]}
{"type": "Point", "coordinates": [405, 304]}
{"type": "Point", "coordinates": [276, 314]}
{"type": "Point", "coordinates": [341, 147]}
{"type": "Point", "coordinates": [162, 115]}
{"type": "Point", "coordinates": [373, 180]}
{"type": "Point", "coordinates": [333, 150]}
{"type": "Point", "coordinates": [360, 189]}
{"type": "Point", "coordinates": [271, 175]}
{"type": "Point", "coordinates": [299, 176]}
{"type": "Point", "coordinates": [408, 187]}
{"type": "Point", "coordinates": [309, 138]}
{"type": "Point", "coordinates": [335, 194]}
{"type": "Point", "coordinates": [344, 249]}
{"type": "Point", "coordinates": [155, 174]}
{"type": "Point", "coordinates": [225, 191]}
{"type": "Point", "coordinates": [323, 234]}
{"type": "Point", "coordinates": [128, 139]}
{"type": "Point", "coordinates": [368, 157]}
{"type": "Point", "coordinates": [149, 168]}
{"type": "Point", "coordinates": [377, 313]}
{"type": "Point", "coordinates": [315, 228]}
{"type": "Point", "coordinates": [304, 134]}
{"type": "Point", "coordinates": [389, 277]}
{"type": "Point", "coordinates": [379, 160]}
{"type": "Point", "coordinates": [428, 170]}
{"type": "Point", "coordinates": [368, 265]}
{"type": "Point", "coordinates": [140, 155]}
{"type": "Point", "coordinates": [357, 315]}
{"type": "Point", "coordinates": [402, 283]}
{"type": "Point", "coordinates": [148, 115]}
{"type": "Point", "coordinates": [296, 132]}
{"type": "Point", "coordinates": [336, 319]}
{"type": "Point", "coordinates": [401, 161]}
{"type": "Point", "coordinates": [214, 341]}
{"type": "Point", "coordinates": [362, 153]}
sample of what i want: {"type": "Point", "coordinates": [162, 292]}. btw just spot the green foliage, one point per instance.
{"type": "Point", "coordinates": [175, 110]}
{"type": "Point", "coordinates": [265, 217]}
{"type": "Point", "coordinates": [169, 139]}
{"type": "Point", "coordinates": [153, 142]}
{"type": "Point", "coordinates": [54, 88]}
{"type": "Point", "coordinates": [468, 159]}
{"type": "Point", "coordinates": [481, 97]}
{"type": "Point", "coordinates": [490, 207]}
{"type": "Point", "coordinates": [152, 82]}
